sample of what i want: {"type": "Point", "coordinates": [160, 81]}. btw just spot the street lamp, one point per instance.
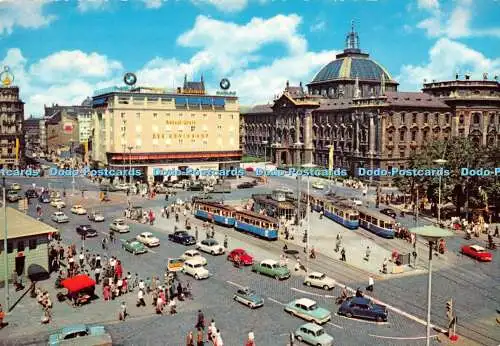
{"type": "Point", "coordinates": [265, 143]}
{"type": "Point", "coordinates": [440, 162]}
{"type": "Point", "coordinates": [309, 166]}
{"type": "Point", "coordinates": [431, 234]}
{"type": "Point", "coordinates": [130, 147]}
{"type": "Point", "coordinates": [71, 154]}
{"type": "Point", "coordinates": [299, 194]}
{"type": "Point", "coordinates": [5, 244]}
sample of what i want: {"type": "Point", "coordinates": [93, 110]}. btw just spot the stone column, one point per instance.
{"type": "Point", "coordinates": [357, 134]}
{"type": "Point", "coordinates": [484, 123]}
{"type": "Point", "coordinates": [308, 140]}
{"type": "Point", "coordinates": [296, 150]}
{"type": "Point", "coordinates": [371, 133]}
{"type": "Point", "coordinates": [377, 134]}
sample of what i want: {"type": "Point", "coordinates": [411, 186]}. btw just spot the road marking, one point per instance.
{"type": "Point", "coordinates": [149, 250]}
{"type": "Point", "coordinates": [275, 301]}
{"type": "Point", "coordinates": [402, 337]}
{"type": "Point", "coordinates": [306, 292]}
{"type": "Point", "coordinates": [361, 320]}
{"type": "Point", "coordinates": [235, 284]}
{"type": "Point", "coordinates": [335, 325]}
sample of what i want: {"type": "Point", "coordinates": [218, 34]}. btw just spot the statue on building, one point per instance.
{"type": "Point", "coordinates": [382, 84]}
{"type": "Point", "coordinates": [357, 90]}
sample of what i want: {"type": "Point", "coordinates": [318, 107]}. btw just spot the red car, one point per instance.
{"type": "Point", "coordinates": [245, 258]}
{"type": "Point", "coordinates": [477, 252]}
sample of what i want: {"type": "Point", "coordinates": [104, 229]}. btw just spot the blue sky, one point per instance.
{"type": "Point", "coordinates": [60, 51]}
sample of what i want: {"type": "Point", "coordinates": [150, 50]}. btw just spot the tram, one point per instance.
{"type": "Point", "coordinates": [377, 223]}
{"type": "Point", "coordinates": [339, 211]}
{"type": "Point", "coordinates": [262, 226]}
{"type": "Point", "coordinates": [214, 212]}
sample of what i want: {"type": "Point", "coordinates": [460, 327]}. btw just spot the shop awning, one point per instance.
{"type": "Point", "coordinates": [78, 283]}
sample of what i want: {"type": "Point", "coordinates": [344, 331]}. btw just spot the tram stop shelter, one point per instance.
{"type": "Point", "coordinates": [27, 245]}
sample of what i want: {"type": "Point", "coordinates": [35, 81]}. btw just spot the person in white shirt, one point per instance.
{"type": "Point", "coordinates": [218, 339]}
{"type": "Point", "coordinates": [142, 285]}
{"type": "Point", "coordinates": [81, 257]}
{"type": "Point", "coordinates": [140, 298]}
{"type": "Point", "coordinates": [370, 284]}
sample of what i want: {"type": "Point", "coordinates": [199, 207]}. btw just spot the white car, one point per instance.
{"type": "Point", "coordinates": [15, 187]}
{"type": "Point", "coordinates": [357, 201]}
{"type": "Point", "coordinates": [179, 185]}
{"type": "Point", "coordinates": [58, 203]}
{"type": "Point", "coordinates": [78, 210]}
{"type": "Point", "coordinates": [96, 217]}
{"type": "Point", "coordinates": [319, 280]}
{"type": "Point", "coordinates": [119, 226]}
{"type": "Point", "coordinates": [122, 187]}
{"type": "Point", "coordinates": [148, 239]}
{"type": "Point", "coordinates": [195, 268]}
{"type": "Point", "coordinates": [194, 254]}
{"type": "Point", "coordinates": [59, 217]}
{"type": "Point", "coordinates": [318, 185]}
{"type": "Point", "coordinates": [210, 246]}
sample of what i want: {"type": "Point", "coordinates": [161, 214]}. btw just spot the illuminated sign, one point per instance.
{"type": "Point", "coordinates": [129, 78]}
{"type": "Point", "coordinates": [6, 77]}
{"type": "Point", "coordinates": [224, 84]}
{"type": "Point", "coordinates": [68, 128]}
{"type": "Point", "coordinates": [226, 93]}
{"type": "Point", "coordinates": [193, 91]}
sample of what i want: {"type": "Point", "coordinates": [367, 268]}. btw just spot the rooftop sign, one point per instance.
{"type": "Point", "coordinates": [225, 93]}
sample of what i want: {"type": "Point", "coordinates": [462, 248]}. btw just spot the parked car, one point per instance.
{"type": "Point", "coordinates": [178, 185]}
{"type": "Point", "coordinates": [194, 254]}
{"type": "Point", "coordinates": [244, 257]}
{"type": "Point", "coordinates": [80, 335]}
{"type": "Point", "coordinates": [319, 280]}
{"type": "Point", "coordinates": [318, 185]}
{"type": "Point", "coordinates": [477, 252]}
{"type": "Point", "coordinates": [245, 185]}
{"type": "Point", "coordinates": [195, 186]}
{"type": "Point", "coordinates": [271, 268]}
{"type": "Point", "coordinates": [15, 187]}
{"type": "Point", "coordinates": [308, 310]}
{"type": "Point", "coordinates": [31, 193]}
{"type": "Point", "coordinates": [108, 188]}
{"type": "Point", "coordinates": [58, 203]}
{"type": "Point", "coordinates": [248, 297]}
{"type": "Point", "coordinates": [161, 189]}
{"type": "Point", "coordinates": [13, 196]}
{"type": "Point", "coordinates": [195, 268]}
{"type": "Point", "coordinates": [122, 187]}
{"type": "Point", "coordinates": [78, 210]}
{"type": "Point", "coordinates": [134, 246]}
{"type": "Point", "coordinates": [356, 201]}
{"type": "Point", "coordinates": [362, 307]}
{"type": "Point", "coordinates": [59, 217]}
{"type": "Point", "coordinates": [119, 226]}
{"type": "Point", "coordinates": [44, 197]}
{"type": "Point", "coordinates": [148, 239]}
{"type": "Point", "coordinates": [313, 334]}
{"type": "Point", "coordinates": [210, 246]}
{"type": "Point", "coordinates": [96, 216]}
{"type": "Point", "coordinates": [389, 212]}
{"type": "Point", "coordinates": [182, 237]}
{"type": "Point", "coordinates": [86, 230]}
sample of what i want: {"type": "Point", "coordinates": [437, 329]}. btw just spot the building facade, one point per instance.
{"type": "Point", "coordinates": [11, 126]}
{"type": "Point", "coordinates": [34, 134]}
{"type": "Point", "coordinates": [353, 105]}
{"type": "Point", "coordinates": [27, 245]}
{"type": "Point", "coordinates": [150, 129]}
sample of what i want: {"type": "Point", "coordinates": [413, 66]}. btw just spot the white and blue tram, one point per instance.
{"type": "Point", "coordinates": [377, 223]}
{"type": "Point", "coordinates": [261, 226]}
{"type": "Point", "coordinates": [214, 212]}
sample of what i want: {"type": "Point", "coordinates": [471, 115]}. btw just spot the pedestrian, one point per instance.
{"type": "Point", "coordinates": [251, 339]}
{"type": "Point", "coordinates": [190, 339]}
{"type": "Point", "coordinates": [342, 254]}
{"type": "Point", "coordinates": [225, 242]}
{"type": "Point", "coordinates": [196, 233]}
{"type": "Point", "coordinates": [218, 339]}
{"type": "Point", "coordinates": [140, 298]}
{"type": "Point", "coordinates": [496, 234]}
{"type": "Point", "coordinates": [367, 254]}
{"type": "Point", "coordinates": [384, 266]}
{"type": "Point", "coordinates": [200, 323]}
{"type": "Point", "coordinates": [211, 331]}
{"type": "Point", "coordinates": [370, 284]}
{"type": "Point", "coordinates": [141, 284]}
{"type": "Point", "coordinates": [103, 243]}
{"type": "Point", "coordinates": [97, 274]}
{"type": "Point", "coordinates": [81, 258]}
{"type": "Point", "coordinates": [199, 337]}
{"type": "Point", "coordinates": [123, 312]}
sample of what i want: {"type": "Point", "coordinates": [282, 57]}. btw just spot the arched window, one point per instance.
{"type": "Point", "coordinates": [475, 118]}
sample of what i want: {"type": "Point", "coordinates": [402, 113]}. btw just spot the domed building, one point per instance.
{"type": "Point", "coordinates": [352, 107]}
{"type": "Point", "coordinates": [352, 74]}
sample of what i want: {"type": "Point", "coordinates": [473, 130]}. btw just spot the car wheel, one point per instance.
{"type": "Point", "coordinates": [277, 277]}
{"type": "Point", "coordinates": [254, 270]}
{"type": "Point", "coordinates": [299, 338]}
{"type": "Point", "coordinates": [348, 314]}
{"type": "Point", "coordinates": [326, 288]}
{"type": "Point", "coordinates": [212, 253]}
{"type": "Point", "coordinates": [196, 277]}
{"type": "Point", "coordinates": [379, 319]}
{"type": "Point", "coordinates": [319, 345]}
{"type": "Point", "coordinates": [308, 283]}
{"type": "Point", "coordinates": [235, 298]}
{"type": "Point", "coordinates": [135, 253]}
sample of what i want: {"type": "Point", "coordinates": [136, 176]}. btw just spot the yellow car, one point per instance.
{"type": "Point", "coordinates": [58, 203]}
{"type": "Point", "coordinates": [78, 210]}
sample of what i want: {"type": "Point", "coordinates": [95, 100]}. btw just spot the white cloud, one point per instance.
{"type": "Point", "coordinates": [428, 4]}
{"type": "Point", "coordinates": [224, 5]}
{"type": "Point", "coordinates": [153, 4]}
{"type": "Point", "coordinates": [23, 14]}
{"type": "Point", "coordinates": [67, 65]}
{"type": "Point", "coordinates": [447, 57]}
{"type": "Point", "coordinates": [320, 25]}
{"type": "Point", "coordinates": [91, 5]}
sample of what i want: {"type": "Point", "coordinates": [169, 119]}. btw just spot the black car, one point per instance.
{"type": "Point", "coordinates": [86, 230]}
{"type": "Point", "coordinates": [246, 185]}
{"type": "Point", "coordinates": [182, 237]}
{"type": "Point", "coordinates": [31, 193]}
{"type": "Point", "coordinates": [389, 212]}
{"type": "Point", "coordinates": [195, 186]}
{"type": "Point", "coordinates": [44, 197]}
{"type": "Point", "coordinates": [362, 307]}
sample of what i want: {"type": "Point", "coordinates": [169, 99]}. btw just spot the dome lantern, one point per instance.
{"type": "Point", "coordinates": [352, 40]}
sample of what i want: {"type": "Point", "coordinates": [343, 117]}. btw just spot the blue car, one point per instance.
{"type": "Point", "coordinates": [80, 335]}
{"type": "Point", "coordinates": [362, 307]}
{"type": "Point", "coordinates": [248, 297]}
{"type": "Point", "coordinates": [182, 237]}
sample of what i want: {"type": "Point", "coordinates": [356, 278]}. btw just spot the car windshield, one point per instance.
{"type": "Point", "coordinates": [120, 223]}
{"type": "Point", "coordinates": [320, 332]}
{"type": "Point", "coordinates": [312, 307]}
{"type": "Point", "coordinates": [198, 265]}
{"type": "Point", "coordinates": [321, 276]}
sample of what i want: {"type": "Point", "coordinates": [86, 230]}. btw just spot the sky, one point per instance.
{"type": "Point", "coordinates": [61, 51]}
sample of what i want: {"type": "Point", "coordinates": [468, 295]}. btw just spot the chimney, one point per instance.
{"type": "Point", "coordinates": [287, 84]}
{"type": "Point", "coordinates": [485, 76]}
{"type": "Point", "coordinates": [457, 76]}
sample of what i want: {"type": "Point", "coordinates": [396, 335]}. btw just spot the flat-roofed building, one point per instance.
{"type": "Point", "coordinates": [152, 129]}
{"type": "Point", "coordinates": [27, 245]}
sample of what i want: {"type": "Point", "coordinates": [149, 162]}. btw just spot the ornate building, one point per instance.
{"type": "Point", "coordinates": [353, 104]}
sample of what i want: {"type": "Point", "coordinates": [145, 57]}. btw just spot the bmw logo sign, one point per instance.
{"type": "Point", "coordinates": [130, 78]}
{"type": "Point", "coordinates": [224, 84]}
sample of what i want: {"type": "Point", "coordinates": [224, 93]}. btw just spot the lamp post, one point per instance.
{"type": "Point", "coordinates": [265, 143]}
{"type": "Point", "coordinates": [431, 234]}
{"type": "Point", "coordinates": [5, 245]}
{"type": "Point", "coordinates": [440, 162]}
{"type": "Point", "coordinates": [73, 176]}
{"type": "Point", "coordinates": [308, 166]}
{"type": "Point", "coordinates": [299, 194]}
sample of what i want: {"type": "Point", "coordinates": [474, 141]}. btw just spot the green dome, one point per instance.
{"type": "Point", "coordinates": [350, 67]}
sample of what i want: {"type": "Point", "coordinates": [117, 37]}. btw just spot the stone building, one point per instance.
{"type": "Point", "coordinates": [353, 104]}
{"type": "Point", "coordinates": [34, 133]}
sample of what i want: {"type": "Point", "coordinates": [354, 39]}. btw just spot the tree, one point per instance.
{"type": "Point", "coordinates": [462, 155]}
